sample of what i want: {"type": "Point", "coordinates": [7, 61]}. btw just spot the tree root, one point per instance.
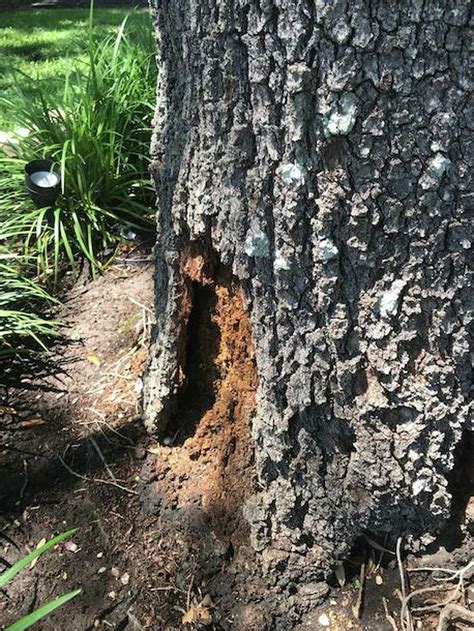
{"type": "Point", "coordinates": [454, 612]}
{"type": "Point", "coordinates": [451, 608]}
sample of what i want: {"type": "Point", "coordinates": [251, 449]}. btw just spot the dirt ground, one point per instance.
{"type": "Point", "coordinates": [162, 543]}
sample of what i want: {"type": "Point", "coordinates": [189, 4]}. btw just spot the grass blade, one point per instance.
{"type": "Point", "coordinates": [26, 560]}
{"type": "Point", "coordinates": [43, 611]}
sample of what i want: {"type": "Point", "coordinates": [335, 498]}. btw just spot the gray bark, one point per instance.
{"type": "Point", "coordinates": [321, 152]}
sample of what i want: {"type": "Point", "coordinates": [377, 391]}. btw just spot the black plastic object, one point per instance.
{"type": "Point", "coordinates": [43, 182]}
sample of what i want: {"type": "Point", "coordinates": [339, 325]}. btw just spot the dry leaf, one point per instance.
{"type": "Point", "coordinates": [35, 561]}
{"type": "Point", "coordinates": [197, 613]}
{"type": "Point", "coordinates": [125, 579]}
{"type": "Point", "coordinates": [189, 617]}
{"type": "Point", "coordinates": [154, 450]}
{"type": "Point", "coordinates": [71, 546]}
{"type": "Point", "coordinates": [204, 615]}
{"type": "Point", "coordinates": [32, 422]}
{"type": "Point", "coordinates": [340, 574]}
{"type": "Point", "coordinates": [93, 359]}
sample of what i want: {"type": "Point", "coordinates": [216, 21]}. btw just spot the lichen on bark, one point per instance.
{"type": "Point", "coordinates": [320, 151]}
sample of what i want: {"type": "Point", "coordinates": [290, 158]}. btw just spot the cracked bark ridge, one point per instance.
{"type": "Point", "coordinates": [321, 151]}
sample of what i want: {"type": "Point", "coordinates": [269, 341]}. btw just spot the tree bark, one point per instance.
{"type": "Point", "coordinates": [316, 154]}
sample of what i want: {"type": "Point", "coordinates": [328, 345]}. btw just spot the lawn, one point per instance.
{"type": "Point", "coordinates": [84, 98]}
{"type": "Point", "coordinates": [45, 43]}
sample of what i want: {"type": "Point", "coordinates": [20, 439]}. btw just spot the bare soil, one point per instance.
{"type": "Point", "coordinates": [160, 523]}
{"type": "Point", "coordinates": [162, 543]}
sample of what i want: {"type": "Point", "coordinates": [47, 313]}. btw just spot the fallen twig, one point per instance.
{"type": "Point", "coordinates": [449, 609]}
{"type": "Point", "coordinates": [358, 604]}
{"type": "Point", "coordinates": [405, 615]}
{"type": "Point", "coordinates": [451, 612]}
{"type": "Point", "coordinates": [101, 456]}
{"type": "Point", "coordinates": [139, 304]}
{"type": "Point", "coordinates": [86, 479]}
{"type": "Point", "coordinates": [25, 483]}
{"type": "Point", "coordinates": [389, 618]}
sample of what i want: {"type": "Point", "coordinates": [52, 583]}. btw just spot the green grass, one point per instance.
{"type": "Point", "coordinates": [46, 43]}
{"type": "Point", "coordinates": [97, 130]}
{"type": "Point", "coordinates": [86, 94]}
{"type": "Point", "coordinates": [21, 299]}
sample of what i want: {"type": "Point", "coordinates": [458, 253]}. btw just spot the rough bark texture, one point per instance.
{"type": "Point", "coordinates": [319, 151]}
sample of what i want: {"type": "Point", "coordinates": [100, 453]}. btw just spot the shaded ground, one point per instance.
{"type": "Point", "coordinates": [162, 541]}
{"type": "Point", "coordinates": [160, 524]}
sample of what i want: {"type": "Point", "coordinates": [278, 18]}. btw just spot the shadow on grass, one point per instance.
{"type": "Point", "coordinates": [36, 51]}
{"type": "Point", "coordinates": [26, 22]}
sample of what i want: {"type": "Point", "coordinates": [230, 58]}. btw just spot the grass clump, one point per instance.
{"type": "Point", "coordinates": [93, 120]}
{"type": "Point", "coordinates": [21, 299]}
{"type": "Point", "coordinates": [98, 135]}
{"type": "Point", "coordinates": [45, 44]}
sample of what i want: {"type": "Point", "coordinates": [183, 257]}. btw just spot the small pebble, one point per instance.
{"type": "Point", "coordinates": [101, 570]}
{"type": "Point", "coordinates": [324, 620]}
{"type": "Point", "coordinates": [379, 579]}
{"type": "Point", "coordinates": [115, 572]}
{"type": "Point", "coordinates": [125, 578]}
{"type": "Point", "coordinates": [100, 555]}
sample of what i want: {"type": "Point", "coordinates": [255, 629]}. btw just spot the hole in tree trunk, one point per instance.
{"type": "Point", "coordinates": [206, 459]}
{"type": "Point", "coordinates": [197, 394]}
{"type": "Point", "coordinates": [216, 357]}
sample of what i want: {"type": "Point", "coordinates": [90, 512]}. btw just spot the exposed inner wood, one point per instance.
{"type": "Point", "coordinates": [207, 451]}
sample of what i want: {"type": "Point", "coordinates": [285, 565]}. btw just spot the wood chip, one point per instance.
{"type": "Point", "coordinates": [32, 422]}
{"type": "Point", "coordinates": [93, 359]}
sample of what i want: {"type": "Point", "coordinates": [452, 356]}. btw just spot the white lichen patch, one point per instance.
{"type": "Point", "coordinates": [297, 76]}
{"type": "Point", "coordinates": [292, 174]}
{"type": "Point", "coordinates": [390, 298]}
{"type": "Point", "coordinates": [327, 250]}
{"type": "Point", "coordinates": [341, 117]}
{"type": "Point", "coordinates": [413, 456]}
{"type": "Point", "coordinates": [256, 244]}
{"type": "Point", "coordinates": [437, 167]}
{"type": "Point", "coordinates": [419, 486]}
{"type": "Point", "coordinates": [280, 263]}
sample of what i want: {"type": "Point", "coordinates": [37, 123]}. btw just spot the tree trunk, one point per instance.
{"type": "Point", "coordinates": [311, 160]}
